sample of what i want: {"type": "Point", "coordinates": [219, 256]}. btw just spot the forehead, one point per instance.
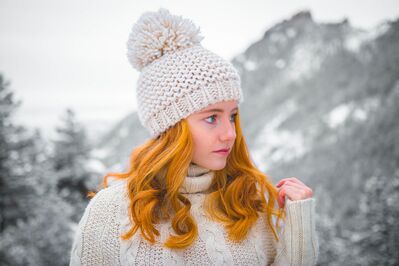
{"type": "Point", "coordinates": [224, 106]}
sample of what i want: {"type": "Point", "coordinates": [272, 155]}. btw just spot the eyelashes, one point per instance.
{"type": "Point", "coordinates": [213, 116]}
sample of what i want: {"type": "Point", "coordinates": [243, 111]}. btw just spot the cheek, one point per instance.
{"type": "Point", "coordinates": [202, 142]}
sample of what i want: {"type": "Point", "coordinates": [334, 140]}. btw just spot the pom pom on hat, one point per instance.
{"type": "Point", "coordinates": [178, 76]}
{"type": "Point", "coordinates": [158, 33]}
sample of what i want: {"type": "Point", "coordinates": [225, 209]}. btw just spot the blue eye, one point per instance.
{"type": "Point", "coordinates": [234, 116]}
{"type": "Point", "coordinates": [213, 116]}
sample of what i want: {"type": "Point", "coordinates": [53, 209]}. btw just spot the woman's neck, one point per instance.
{"type": "Point", "coordinates": [196, 170]}
{"type": "Point", "coordinates": [198, 179]}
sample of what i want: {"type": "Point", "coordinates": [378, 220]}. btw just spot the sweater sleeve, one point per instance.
{"type": "Point", "coordinates": [96, 240]}
{"type": "Point", "coordinates": [298, 241]}
{"type": "Point", "coordinates": [77, 245]}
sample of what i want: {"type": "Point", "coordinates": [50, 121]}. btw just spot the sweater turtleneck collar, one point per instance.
{"type": "Point", "coordinates": [198, 179]}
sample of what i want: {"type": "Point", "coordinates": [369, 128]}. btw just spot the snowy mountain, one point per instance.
{"type": "Point", "coordinates": [114, 147]}
{"type": "Point", "coordinates": [296, 76]}
{"type": "Point", "coordinates": [321, 104]}
{"type": "Point", "coordinates": [300, 78]}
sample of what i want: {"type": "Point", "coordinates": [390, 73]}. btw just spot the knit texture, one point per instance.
{"type": "Point", "coordinates": [178, 75]}
{"type": "Point", "coordinates": [97, 241]}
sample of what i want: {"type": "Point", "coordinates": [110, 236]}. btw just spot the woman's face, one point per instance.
{"type": "Point", "coordinates": [213, 129]}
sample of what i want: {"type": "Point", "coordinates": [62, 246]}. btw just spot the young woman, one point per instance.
{"type": "Point", "coordinates": [192, 195]}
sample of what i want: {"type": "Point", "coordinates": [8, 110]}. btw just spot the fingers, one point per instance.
{"type": "Point", "coordinates": [289, 192]}
{"type": "Point", "coordinates": [291, 183]}
{"type": "Point", "coordinates": [293, 190]}
{"type": "Point", "coordinates": [281, 197]}
{"type": "Point", "coordinates": [295, 194]}
{"type": "Point", "coordinates": [293, 179]}
{"type": "Point", "coordinates": [307, 190]}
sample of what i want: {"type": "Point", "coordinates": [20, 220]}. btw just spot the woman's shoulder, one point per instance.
{"type": "Point", "coordinates": [99, 222]}
{"type": "Point", "coordinates": [107, 200]}
{"type": "Point", "coordinates": [103, 207]}
{"type": "Point", "coordinates": [113, 191]}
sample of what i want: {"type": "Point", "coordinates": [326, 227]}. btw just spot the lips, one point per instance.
{"type": "Point", "coordinates": [223, 150]}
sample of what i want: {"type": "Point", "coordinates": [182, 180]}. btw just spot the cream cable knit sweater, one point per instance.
{"type": "Point", "coordinates": [97, 239]}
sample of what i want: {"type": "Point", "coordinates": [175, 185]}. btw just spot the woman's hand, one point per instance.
{"type": "Point", "coordinates": [294, 189]}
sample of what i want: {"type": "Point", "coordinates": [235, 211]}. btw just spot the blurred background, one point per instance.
{"type": "Point", "coordinates": [321, 88]}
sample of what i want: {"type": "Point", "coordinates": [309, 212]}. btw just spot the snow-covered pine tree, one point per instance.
{"type": "Point", "coordinates": [34, 220]}
{"type": "Point", "coordinates": [14, 139]}
{"type": "Point", "coordinates": [71, 155]}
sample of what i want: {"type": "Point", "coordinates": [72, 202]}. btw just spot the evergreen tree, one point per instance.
{"type": "Point", "coordinates": [15, 188]}
{"type": "Point", "coordinates": [34, 220]}
{"type": "Point", "coordinates": [377, 233]}
{"type": "Point", "coordinates": [71, 156]}
{"type": "Point", "coordinates": [47, 233]}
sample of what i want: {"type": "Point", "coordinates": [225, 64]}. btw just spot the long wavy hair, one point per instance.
{"type": "Point", "coordinates": [157, 169]}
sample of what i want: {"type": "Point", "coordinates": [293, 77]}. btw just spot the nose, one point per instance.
{"type": "Point", "coordinates": [228, 131]}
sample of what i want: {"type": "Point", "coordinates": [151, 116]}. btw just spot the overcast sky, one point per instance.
{"type": "Point", "coordinates": [71, 53]}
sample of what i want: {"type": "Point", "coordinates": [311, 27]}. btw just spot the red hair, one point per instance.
{"type": "Point", "coordinates": [157, 170]}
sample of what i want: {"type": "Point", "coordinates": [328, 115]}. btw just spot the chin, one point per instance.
{"type": "Point", "coordinates": [214, 166]}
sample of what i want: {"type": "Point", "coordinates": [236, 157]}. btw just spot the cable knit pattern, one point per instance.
{"type": "Point", "coordinates": [178, 75]}
{"type": "Point", "coordinates": [96, 240]}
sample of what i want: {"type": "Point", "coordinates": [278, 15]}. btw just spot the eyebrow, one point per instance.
{"type": "Point", "coordinates": [216, 110]}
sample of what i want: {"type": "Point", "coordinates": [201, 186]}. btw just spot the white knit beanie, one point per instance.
{"type": "Point", "coordinates": [178, 76]}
